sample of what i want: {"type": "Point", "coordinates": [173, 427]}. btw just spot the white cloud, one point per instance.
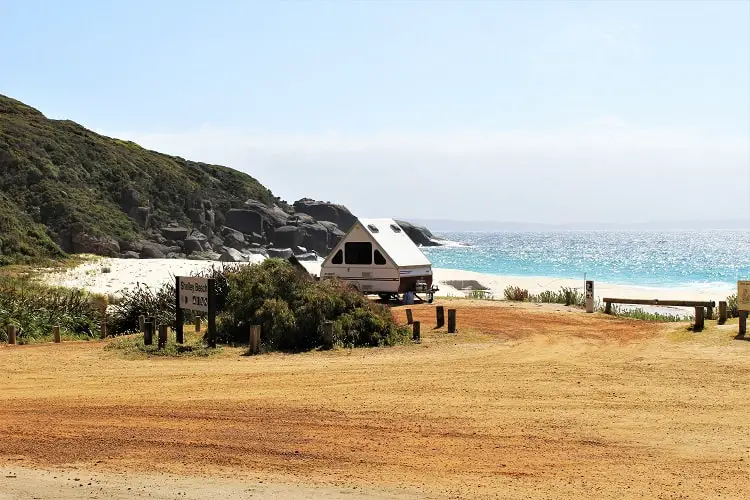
{"type": "Point", "coordinates": [626, 173]}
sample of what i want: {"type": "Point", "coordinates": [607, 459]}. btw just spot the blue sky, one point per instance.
{"type": "Point", "coordinates": [622, 103]}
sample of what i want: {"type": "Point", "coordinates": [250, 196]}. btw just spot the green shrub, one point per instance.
{"type": "Point", "coordinates": [142, 300]}
{"type": "Point", "coordinates": [560, 297]}
{"type": "Point", "coordinates": [160, 303]}
{"type": "Point", "coordinates": [292, 308]}
{"type": "Point", "coordinates": [516, 293]}
{"type": "Point", "coordinates": [733, 308]}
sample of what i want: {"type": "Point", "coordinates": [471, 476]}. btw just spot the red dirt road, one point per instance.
{"type": "Point", "coordinates": [521, 403]}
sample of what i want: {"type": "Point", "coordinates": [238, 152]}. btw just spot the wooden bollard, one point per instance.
{"type": "Point", "coordinates": [698, 319]}
{"type": "Point", "coordinates": [409, 317]}
{"type": "Point", "coordinates": [722, 312]}
{"type": "Point", "coordinates": [451, 321]}
{"type": "Point", "coordinates": [328, 335]}
{"type": "Point", "coordinates": [148, 333]}
{"type": "Point", "coordinates": [416, 333]}
{"type": "Point", "coordinates": [103, 324]}
{"type": "Point", "coordinates": [141, 323]}
{"type": "Point", "coordinates": [440, 312]}
{"type": "Point", "coordinates": [743, 323]}
{"type": "Point", "coordinates": [254, 339]}
{"type": "Point", "coordinates": [197, 324]}
{"type": "Point", "coordinates": [56, 334]}
{"type": "Point", "coordinates": [11, 334]}
{"type": "Point", "coordinates": [568, 298]}
{"type": "Point", "coordinates": [162, 342]}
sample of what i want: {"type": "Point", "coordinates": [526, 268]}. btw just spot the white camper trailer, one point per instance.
{"type": "Point", "coordinates": [378, 257]}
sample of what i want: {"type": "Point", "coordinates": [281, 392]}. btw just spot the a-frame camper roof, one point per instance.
{"type": "Point", "coordinates": [392, 240]}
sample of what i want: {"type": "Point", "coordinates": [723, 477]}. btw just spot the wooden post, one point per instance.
{"type": "Point", "coordinates": [11, 334]}
{"type": "Point", "coordinates": [328, 335]}
{"type": "Point", "coordinates": [141, 323]}
{"type": "Point", "coordinates": [416, 333]}
{"type": "Point", "coordinates": [254, 339]}
{"type": "Point", "coordinates": [211, 313]}
{"type": "Point", "coordinates": [589, 296]}
{"type": "Point", "coordinates": [709, 312]}
{"type": "Point", "coordinates": [743, 323]}
{"type": "Point", "coordinates": [409, 317]}
{"type": "Point", "coordinates": [608, 308]}
{"type": "Point", "coordinates": [451, 321]}
{"type": "Point", "coordinates": [103, 323]}
{"type": "Point", "coordinates": [148, 333]}
{"type": "Point", "coordinates": [197, 324]}
{"type": "Point", "coordinates": [722, 312]}
{"type": "Point", "coordinates": [178, 313]}
{"type": "Point", "coordinates": [162, 342]}
{"type": "Point", "coordinates": [440, 311]}
{"type": "Point", "coordinates": [56, 334]}
{"type": "Point", "coordinates": [698, 319]}
{"type": "Point", "coordinates": [568, 299]}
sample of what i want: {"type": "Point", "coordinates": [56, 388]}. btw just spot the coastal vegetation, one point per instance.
{"type": "Point", "coordinates": [34, 309]}
{"type": "Point", "coordinates": [564, 295]}
{"type": "Point", "coordinates": [640, 313]}
{"type": "Point", "coordinates": [573, 297]}
{"type": "Point", "coordinates": [290, 307]}
{"type": "Point", "coordinates": [733, 310]}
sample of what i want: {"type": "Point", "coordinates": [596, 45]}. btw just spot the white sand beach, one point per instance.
{"type": "Point", "coordinates": [110, 276]}
{"type": "Point", "coordinates": [535, 284]}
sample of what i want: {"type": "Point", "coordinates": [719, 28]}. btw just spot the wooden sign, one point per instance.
{"type": "Point", "coordinates": [743, 295]}
{"type": "Point", "coordinates": [195, 294]}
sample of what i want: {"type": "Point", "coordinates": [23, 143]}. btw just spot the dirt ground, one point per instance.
{"type": "Point", "coordinates": [524, 402]}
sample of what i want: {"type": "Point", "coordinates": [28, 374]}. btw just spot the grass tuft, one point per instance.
{"type": "Point", "coordinates": [132, 346]}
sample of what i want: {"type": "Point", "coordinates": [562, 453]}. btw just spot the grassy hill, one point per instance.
{"type": "Point", "coordinates": [58, 179]}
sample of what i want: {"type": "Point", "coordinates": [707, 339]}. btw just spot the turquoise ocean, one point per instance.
{"type": "Point", "coordinates": [649, 258]}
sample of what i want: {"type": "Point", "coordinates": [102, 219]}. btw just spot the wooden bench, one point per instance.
{"type": "Point", "coordinates": [697, 304]}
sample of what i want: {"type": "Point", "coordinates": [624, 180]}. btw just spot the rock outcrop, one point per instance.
{"type": "Point", "coordinates": [418, 234]}
{"type": "Point", "coordinates": [196, 242]}
{"type": "Point", "coordinates": [175, 233]}
{"type": "Point", "coordinates": [82, 242]}
{"type": "Point", "coordinates": [325, 211]}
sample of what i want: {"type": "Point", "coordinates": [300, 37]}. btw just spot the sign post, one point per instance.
{"type": "Point", "coordinates": [589, 296]}
{"type": "Point", "coordinates": [743, 304]}
{"type": "Point", "coordinates": [196, 294]}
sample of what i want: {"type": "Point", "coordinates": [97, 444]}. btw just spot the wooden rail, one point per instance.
{"type": "Point", "coordinates": [657, 302]}
{"type": "Point", "coordinates": [699, 306]}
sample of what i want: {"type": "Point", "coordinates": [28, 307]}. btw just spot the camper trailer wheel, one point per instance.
{"type": "Point", "coordinates": [430, 298]}
{"type": "Point", "coordinates": [385, 297]}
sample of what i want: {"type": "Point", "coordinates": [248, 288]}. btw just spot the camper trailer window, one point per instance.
{"type": "Point", "coordinates": [379, 259]}
{"type": "Point", "coordinates": [338, 258]}
{"type": "Point", "coordinates": [395, 228]}
{"type": "Point", "coordinates": [358, 253]}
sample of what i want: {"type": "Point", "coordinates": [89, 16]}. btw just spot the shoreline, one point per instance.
{"type": "Point", "coordinates": [111, 275]}
{"type": "Point", "coordinates": [536, 284]}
